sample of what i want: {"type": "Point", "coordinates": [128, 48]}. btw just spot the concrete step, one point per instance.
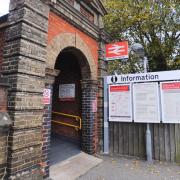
{"type": "Point", "coordinates": [73, 167]}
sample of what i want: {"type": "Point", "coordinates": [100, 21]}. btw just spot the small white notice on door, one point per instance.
{"type": "Point", "coordinates": [66, 92]}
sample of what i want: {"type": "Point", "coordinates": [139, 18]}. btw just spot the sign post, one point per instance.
{"type": "Point", "coordinates": [106, 124]}
{"type": "Point", "coordinates": [148, 131]}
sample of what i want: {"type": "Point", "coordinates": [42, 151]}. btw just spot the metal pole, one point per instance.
{"type": "Point", "coordinates": [148, 143]}
{"type": "Point", "coordinates": [148, 131]}
{"type": "Point", "coordinates": [106, 124]}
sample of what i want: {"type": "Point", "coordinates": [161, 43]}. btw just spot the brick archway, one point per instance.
{"type": "Point", "coordinates": [89, 88]}
{"type": "Point", "coordinates": [65, 40]}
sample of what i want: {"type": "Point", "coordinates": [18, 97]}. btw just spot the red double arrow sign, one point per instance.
{"type": "Point", "coordinates": [117, 50]}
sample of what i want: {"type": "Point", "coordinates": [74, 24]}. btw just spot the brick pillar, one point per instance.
{"type": "Point", "coordinates": [50, 77]}
{"type": "Point", "coordinates": [89, 116]}
{"type": "Point", "coordinates": [24, 65]}
{"type": "Point", "coordinates": [102, 71]}
{"type": "Point", "coordinates": [46, 133]}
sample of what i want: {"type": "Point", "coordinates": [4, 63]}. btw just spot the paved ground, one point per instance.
{"type": "Point", "coordinates": [132, 169]}
{"type": "Point", "coordinates": [67, 156]}
{"type": "Point", "coordinates": [67, 161]}
{"type": "Point", "coordinates": [62, 149]}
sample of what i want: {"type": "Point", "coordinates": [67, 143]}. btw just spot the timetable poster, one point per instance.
{"type": "Point", "coordinates": [146, 102]}
{"type": "Point", "coordinates": [170, 102]}
{"type": "Point", "coordinates": [120, 105]}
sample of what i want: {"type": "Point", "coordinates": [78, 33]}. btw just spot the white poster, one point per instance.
{"type": "Point", "coordinates": [170, 102]}
{"type": "Point", "coordinates": [120, 105]}
{"type": "Point", "coordinates": [146, 102]}
{"type": "Point", "coordinates": [46, 96]}
{"type": "Point", "coordinates": [66, 92]}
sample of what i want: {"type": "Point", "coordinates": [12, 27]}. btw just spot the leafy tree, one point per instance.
{"type": "Point", "coordinates": [153, 23]}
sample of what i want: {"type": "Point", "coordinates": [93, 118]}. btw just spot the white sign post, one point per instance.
{"type": "Point", "coordinates": [170, 102]}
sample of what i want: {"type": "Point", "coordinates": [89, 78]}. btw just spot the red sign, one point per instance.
{"type": "Point", "coordinates": [173, 85]}
{"type": "Point", "coordinates": [94, 105]}
{"type": "Point", "coordinates": [117, 50]}
{"type": "Point", "coordinates": [46, 96]}
{"type": "Point", "coordinates": [119, 88]}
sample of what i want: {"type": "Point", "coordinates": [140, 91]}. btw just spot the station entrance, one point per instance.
{"type": "Point", "coordinates": [66, 124]}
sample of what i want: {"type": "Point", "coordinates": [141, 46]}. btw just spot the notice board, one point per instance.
{"type": "Point", "coordinates": [146, 102]}
{"type": "Point", "coordinates": [120, 105]}
{"type": "Point", "coordinates": [170, 101]}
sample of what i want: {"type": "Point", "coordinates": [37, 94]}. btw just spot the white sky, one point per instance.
{"type": "Point", "coordinates": [4, 7]}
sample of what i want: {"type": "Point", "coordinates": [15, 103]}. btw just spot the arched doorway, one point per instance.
{"type": "Point", "coordinates": [66, 127]}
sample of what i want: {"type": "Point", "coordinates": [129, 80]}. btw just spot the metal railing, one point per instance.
{"type": "Point", "coordinates": [77, 118]}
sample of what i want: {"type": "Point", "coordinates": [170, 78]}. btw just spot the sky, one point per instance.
{"type": "Point", "coordinates": [4, 7]}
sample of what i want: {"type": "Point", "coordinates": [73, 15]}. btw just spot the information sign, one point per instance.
{"type": "Point", "coordinates": [146, 102]}
{"type": "Point", "coordinates": [170, 102]}
{"type": "Point", "coordinates": [145, 77]}
{"type": "Point", "coordinates": [120, 105]}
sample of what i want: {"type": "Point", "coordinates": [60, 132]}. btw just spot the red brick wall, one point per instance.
{"type": "Point", "coordinates": [1, 46]}
{"type": "Point", "coordinates": [57, 25]}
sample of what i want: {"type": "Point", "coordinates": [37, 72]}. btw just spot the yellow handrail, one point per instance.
{"type": "Point", "coordinates": [66, 124]}
{"type": "Point", "coordinates": [71, 116]}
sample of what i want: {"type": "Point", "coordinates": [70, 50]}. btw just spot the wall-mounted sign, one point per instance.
{"type": "Point", "coordinates": [94, 105]}
{"type": "Point", "coordinates": [66, 92]}
{"type": "Point", "coordinates": [146, 77]}
{"type": "Point", "coordinates": [120, 105]}
{"type": "Point", "coordinates": [46, 96]}
{"type": "Point", "coordinates": [170, 102]}
{"type": "Point", "coordinates": [146, 102]}
{"type": "Point", "coordinates": [117, 50]}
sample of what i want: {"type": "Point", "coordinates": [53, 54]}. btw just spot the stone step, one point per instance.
{"type": "Point", "coordinates": [73, 167]}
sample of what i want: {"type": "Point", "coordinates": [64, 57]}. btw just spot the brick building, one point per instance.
{"type": "Point", "coordinates": [57, 46]}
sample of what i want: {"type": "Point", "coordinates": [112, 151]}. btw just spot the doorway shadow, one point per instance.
{"type": "Point", "coordinates": [62, 149]}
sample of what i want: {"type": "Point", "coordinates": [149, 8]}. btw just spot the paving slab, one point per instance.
{"type": "Point", "coordinates": [73, 167]}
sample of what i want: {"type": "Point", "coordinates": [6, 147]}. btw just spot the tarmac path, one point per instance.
{"type": "Point", "coordinates": [121, 168]}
